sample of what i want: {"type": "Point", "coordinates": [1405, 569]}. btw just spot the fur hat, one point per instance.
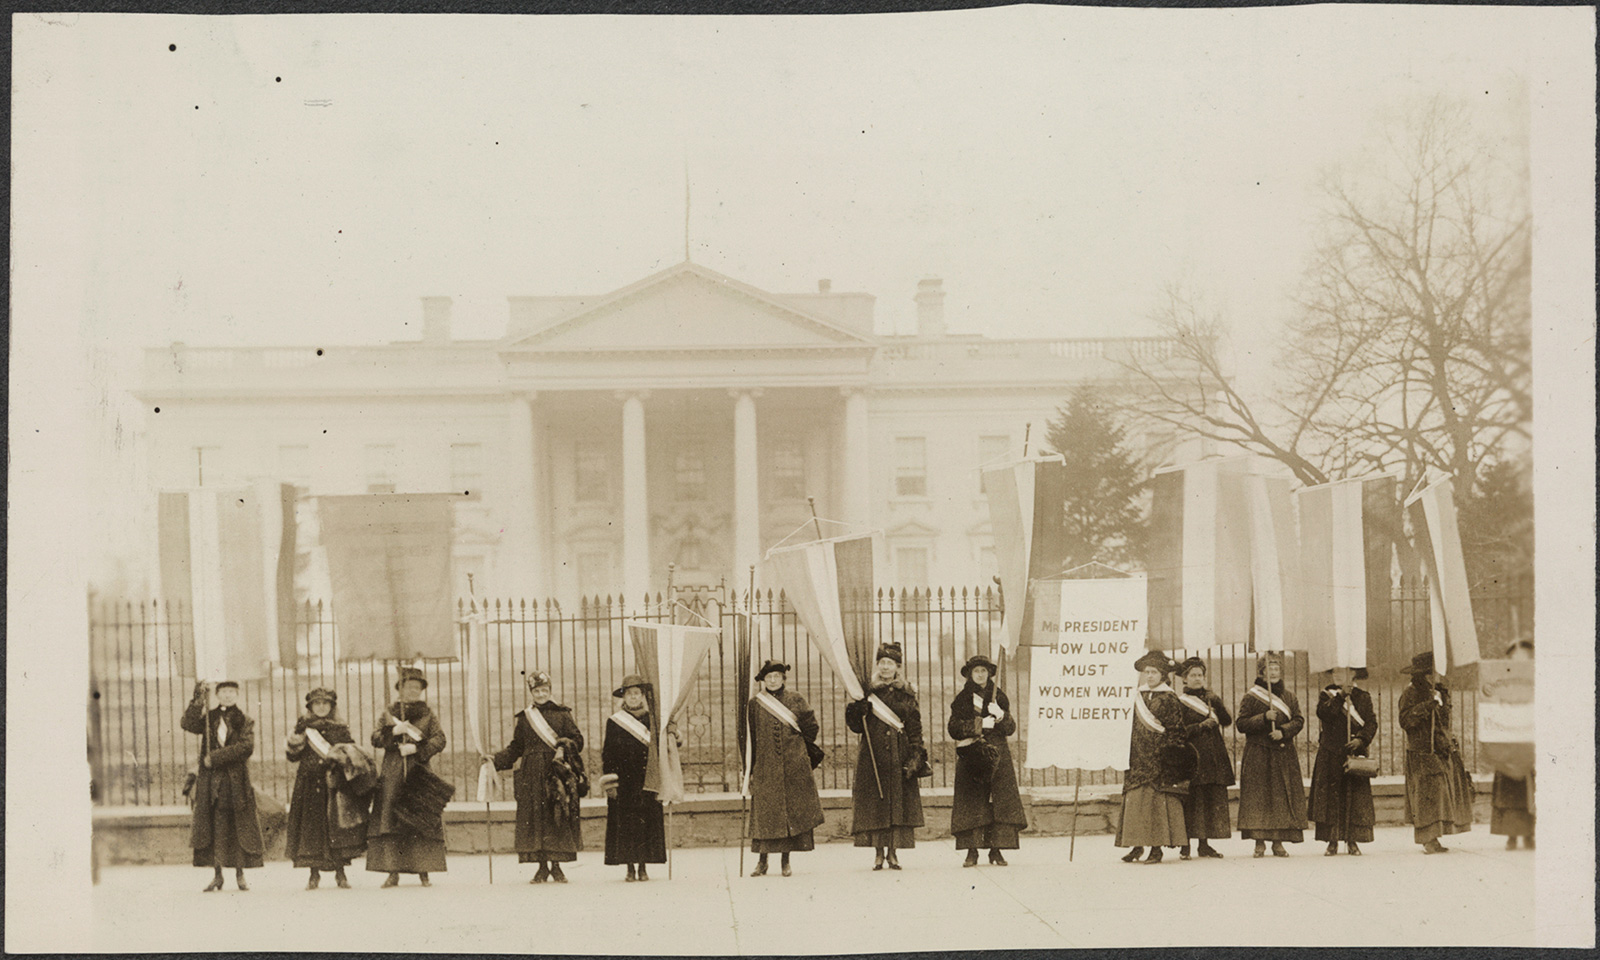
{"type": "Point", "coordinates": [538, 678]}
{"type": "Point", "coordinates": [1157, 659]}
{"type": "Point", "coordinates": [1190, 664]}
{"type": "Point", "coordinates": [1263, 657]}
{"type": "Point", "coordinates": [979, 660]}
{"type": "Point", "coordinates": [324, 695]}
{"type": "Point", "coordinates": [1422, 663]}
{"type": "Point", "coordinates": [631, 680]}
{"type": "Point", "coordinates": [772, 666]}
{"type": "Point", "coordinates": [226, 683]}
{"type": "Point", "coordinates": [890, 650]}
{"type": "Point", "coordinates": [411, 673]}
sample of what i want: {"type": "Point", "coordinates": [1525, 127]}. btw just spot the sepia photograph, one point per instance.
{"type": "Point", "coordinates": [778, 485]}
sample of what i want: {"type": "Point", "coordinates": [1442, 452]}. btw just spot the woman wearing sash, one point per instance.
{"type": "Point", "coordinates": [314, 842]}
{"type": "Point", "coordinates": [1151, 816]}
{"type": "Point", "coordinates": [226, 831]}
{"type": "Point", "coordinates": [784, 806]}
{"type": "Point", "coordinates": [1205, 807]}
{"type": "Point", "coordinates": [891, 731]}
{"type": "Point", "coordinates": [1438, 790]}
{"type": "Point", "coordinates": [548, 744]}
{"type": "Point", "coordinates": [1272, 795]}
{"type": "Point", "coordinates": [1341, 806]}
{"type": "Point", "coordinates": [635, 828]}
{"type": "Point", "coordinates": [987, 809]}
{"type": "Point", "coordinates": [1511, 811]}
{"type": "Point", "coordinates": [408, 733]}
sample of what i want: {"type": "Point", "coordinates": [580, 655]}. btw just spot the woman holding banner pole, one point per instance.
{"type": "Point", "coordinates": [1272, 794]}
{"type": "Point", "coordinates": [635, 822]}
{"type": "Point", "coordinates": [1341, 805]}
{"type": "Point", "coordinates": [891, 759]}
{"type": "Point", "coordinates": [1438, 790]}
{"type": "Point", "coordinates": [1152, 813]}
{"type": "Point", "coordinates": [987, 809]}
{"type": "Point", "coordinates": [315, 841]}
{"type": "Point", "coordinates": [226, 831]}
{"type": "Point", "coordinates": [1205, 806]}
{"type": "Point", "coordinates": [550, 747]}
{"type": "Point", "coordinates": [784, 805]}
{"type": "Point", "coordinates": [409, 735]}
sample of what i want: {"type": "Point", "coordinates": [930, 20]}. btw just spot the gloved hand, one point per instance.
{"type": "Point", "coordinates": [407, 749]}
{"type": "Point", "coordinates": [296, 739]}
{"type": "Point", "coordinates": [1276, 717]}
{"type": "Point", "coordinates": [995, 711]}
{"type": "Point", "coordinates": [1354, 746]}
{"type": "Point", "coordinates": [1210, 723]}
{"type": "Point", "coordinates": [988, 723]}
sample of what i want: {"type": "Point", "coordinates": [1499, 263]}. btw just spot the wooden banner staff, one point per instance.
{"type": "Point", "coordinates": [749, 739]}
{"type": "Point", "coordinates": [661, 745]}
{"type": "Point", "coordinates": [866, 735]}
{"type": "Point", "coordinates": [1027, 431]}
{"type": "Point", "coordinates": [472, 653]}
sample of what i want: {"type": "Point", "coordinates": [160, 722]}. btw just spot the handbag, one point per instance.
{"type": "Point", "coordinates": [814, 753]}
{"type": "Point", "coordinates": [1354, 765]}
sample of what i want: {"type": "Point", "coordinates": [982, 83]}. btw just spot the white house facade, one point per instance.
{"type": "Point", "coordinates": [684, 419]}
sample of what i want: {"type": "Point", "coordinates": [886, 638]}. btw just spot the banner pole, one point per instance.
{"type": "Point", "coordinates": [669, 840]}
{"type": "Point", "coordinates": [488, 841]}
{"type": "Point", "coordinates": [1077, 782]}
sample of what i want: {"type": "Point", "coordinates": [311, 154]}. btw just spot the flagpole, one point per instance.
{"type": "Point", "coordinates": [866, 734]}
{"type": "Point", "coordinates": [672, 617]}
{"type": "Point", "coordinates": [1077, 782]}
{"type": "Point", "coordinates": [472, 657]}
{"type": "Point", "coordinates": [1027, 431]}
{"type": "Point", "coordinates": [744, 708]}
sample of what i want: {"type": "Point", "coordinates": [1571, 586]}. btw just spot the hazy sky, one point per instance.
{"type": "Point", "coordinates": [1057, 167]}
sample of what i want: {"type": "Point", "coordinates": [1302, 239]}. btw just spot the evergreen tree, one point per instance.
{"type": "Point", "coordinates": [1104, 512]}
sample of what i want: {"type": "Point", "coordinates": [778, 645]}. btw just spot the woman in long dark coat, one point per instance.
{"type": "Point", "coordinates": [784, 805]}
{"type": "Point", "coordinates": [635, 823]}
{"type": "Point", "coordinates": [1438, 790]}
{"type": "Point", "coordinates": [1205, 807]}
{"type": "Point", "coordinates": [888, 821]}
{"type": "Point", "coordinates": [409, 734]}
{"type": "Point", "coordinates": [1341, 806]}
{"type": "Point", "coordinates": [314, 840]}
{"type": "Point", "coordinates": [226, 831]}
{"type": "Point", "coordinates": [1511, 810]}
{"type": "Point", "coordinates": [1272, 794]}
{"type": "Point", "coordinates": [987, 809]}
{"type": "Point", "coordinates": [549, 745]}
{"type": "Point", "coordinates": [1152, 817]}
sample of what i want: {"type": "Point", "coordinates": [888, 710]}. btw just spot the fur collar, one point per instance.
{"type": "Point", "coordinates": [896, 684]}
{"type": "Point", "coordinates": [415, 711]}
{"type": "Point", "coordinates": [1276, 688]}
{"type": "Point", "coordinates": [549, 706]}
{"type": "Point", "coordinates": [319, 724]}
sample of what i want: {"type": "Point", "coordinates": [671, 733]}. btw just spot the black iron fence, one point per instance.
{"type": "Point", "coordinates": [140, 757]}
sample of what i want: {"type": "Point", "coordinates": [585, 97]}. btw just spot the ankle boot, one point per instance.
{"type": "Point", "coordinates": [1207, 850]}
{"type": "Point", "coordinates": [424, 878]}
{"type": "Point", "coordinates": [643, 874]}
{"type": "Point", "coordinates": [238, 879]}
{"type": "Point", "coordinates": [630, 878]}
{"type": "Point", "coordinates": [542, 874]}
{"type": "Point", "coordinates": [996, 858]}
{"type": "Point", "coordinates": [556, 874]}
{"type": "Point", "coordinates": [342, 880]}
{"type": "Point", "coordinates": [894, 860]}
{"type": "Point", "coordinates": [761, 867]}
{"type": "Point", "coordinates": [1333, 848]}
{"type": "Point", "coordinates": [215, 884]}
{"type": "Point", "coordinates": [1133, 855]}
{"type": "Point", "coordinates": [1277, 849]}
{"type": "Point", "coordinates": [316, 879]}
{"type": "Point", "coordinates": [1261, 849]}
{"type": "Point", "coordinates": [784, 863]}
{"type": "Point", "coordinates": [392, 880]}
{"type": "Point", "coordinates": [1183, 852]}
{"type": "Point", "coordinates": [1155, 855]}
{"type": "Point", "coordinates": [972, 859]}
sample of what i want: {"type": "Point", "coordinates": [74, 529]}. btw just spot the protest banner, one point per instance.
{"type": "Point", "coordinates": [1505, 715]}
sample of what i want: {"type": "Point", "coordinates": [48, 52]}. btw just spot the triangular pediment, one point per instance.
{"type": "Point", "coordinates": [687, 307]}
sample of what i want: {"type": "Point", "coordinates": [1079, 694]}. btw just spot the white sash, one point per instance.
{"type": "Point", "coordinates": [1355, 715]}
{"type": "Point", "coordinates": [222, 729]}
{"type": "Point", "coordinates": [541, 726]}
{"type": "Point", "coordinates": [406, 728]}
{"type": "Point", "coordinates": [775, 707]}
{"type": "Point", "coordinates": [319, 744]}
{"type": "Point", "coordinates": [1141, 709]}
{"type": "Point", "coordinates": [630, 723]}
{"type": "Point", "coordinates": [1271, 699]}
{"type": "Point", "coordinates": [882, 712]}
{"type": "Point", "coordinates": [1202, 707]}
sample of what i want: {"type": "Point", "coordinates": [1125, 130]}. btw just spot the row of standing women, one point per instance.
{"type": "Point", "coordinates": [1175, 790]}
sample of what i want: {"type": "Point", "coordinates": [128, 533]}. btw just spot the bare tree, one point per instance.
{"type": "Point", "coordinates": [1410, 345]}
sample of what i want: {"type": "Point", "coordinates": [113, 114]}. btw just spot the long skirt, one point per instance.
{"type": "Point", "coordinates": [635, 830]}
{"type": "Point", "coordinates": [1438, 795]}
{"type": "Point", "coordinates": [1205, 812]}
{"type": "Point", "coordinates": [1151, 818]}
{"type": "Point", "coordinates": [900, 838]}
{"type": "Point", "coordinates": [798, 843]}
{"type": "Point", "coordinates": [1511, 813]}
{"type": "Point", "coordinates": [1340, 806]}
{"type": "Point", "coordinates": [992, 836]}
{"type": "Point", "coordinates": [399, 853]}
{"type": "Point", "coordinates": [225, 850]}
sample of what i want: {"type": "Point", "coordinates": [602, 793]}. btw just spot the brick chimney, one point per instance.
{"type": "Point", "coordinates": [930, 307]}
{"type": "Point", "coordinates": [435, 319]}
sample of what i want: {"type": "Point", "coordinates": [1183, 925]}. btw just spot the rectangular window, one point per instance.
{"type": "Point", "coordinates": [207, 466]}
{"type": "Point", "coordinates": [381, 466]}
{"type": "Point", "coordinates": [788, 480]}
{"type": "Point", "coordinates": [992, 451]}
{"type": "Point", "coordinates": [689, 472]}
{"type": "Point", "coordinates": [911, 566]}
{"type": "Point", "coordinates": [591, 473]}
{"type": "Point", "coordinates": [466, 470]}
{"type": "Point", "coordinates": [911, 466]}
{"type": "Point", "coordinates": [294, 465]}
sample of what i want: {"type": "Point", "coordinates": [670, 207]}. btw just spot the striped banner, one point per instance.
{"type": "Point", "coordinates": [228, 555]}
{"type": "Point", "coordinates": [1347, 540]}
{"type": "Point", "coordinates": [389, 563]}
{"type": "Point", "coordinates": [829, 584]}
{"type": "Point", "coordinates": [1200, 556]}
{"type": "Point", "coordinates": [1438, 538]}
{"type": "Point", "coordinates": [1274, 556]}
{"type": "Point", "coordinates": [668, 654]}
{"type": "Point", "coordinates": [1027, 500]}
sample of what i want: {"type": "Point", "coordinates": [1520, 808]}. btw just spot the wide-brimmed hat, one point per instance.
{"type": "Point", "coordinates": [1421, 663]}
{"type": "Point", "coordinates": [411, 673]}
{"type": "Point", "coordinates": [1157, 659]}
{"type": "Point", "coordinates": [771, 666]}
{"type": "Point", "coordinates": [979, 660]}
{"type": "Point", "coordinates": [537, 678]}
{"type": "Point", "coordinates": [227, 683]}
{"type": "Point", "coordinates": [323, 694]}
{"type": "Point", "coordinates": [890, 650]}
{"type": "Point", "coordinates": [631, 680]}
{"type": "Point", "coordinates": [1356, 673]}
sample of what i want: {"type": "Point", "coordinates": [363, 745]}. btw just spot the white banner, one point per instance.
{"type": "Point", "coordinates": [1086, 635]}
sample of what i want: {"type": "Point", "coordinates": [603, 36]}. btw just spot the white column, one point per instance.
{"type": "Point", "coordinates": [746, 484]}
{"type": "Point", "coordinates": [856, 473]}
{"type": "Point", "coordinates": [635, 501]}
{"type": "Point", "coordinates": [522, 548]}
